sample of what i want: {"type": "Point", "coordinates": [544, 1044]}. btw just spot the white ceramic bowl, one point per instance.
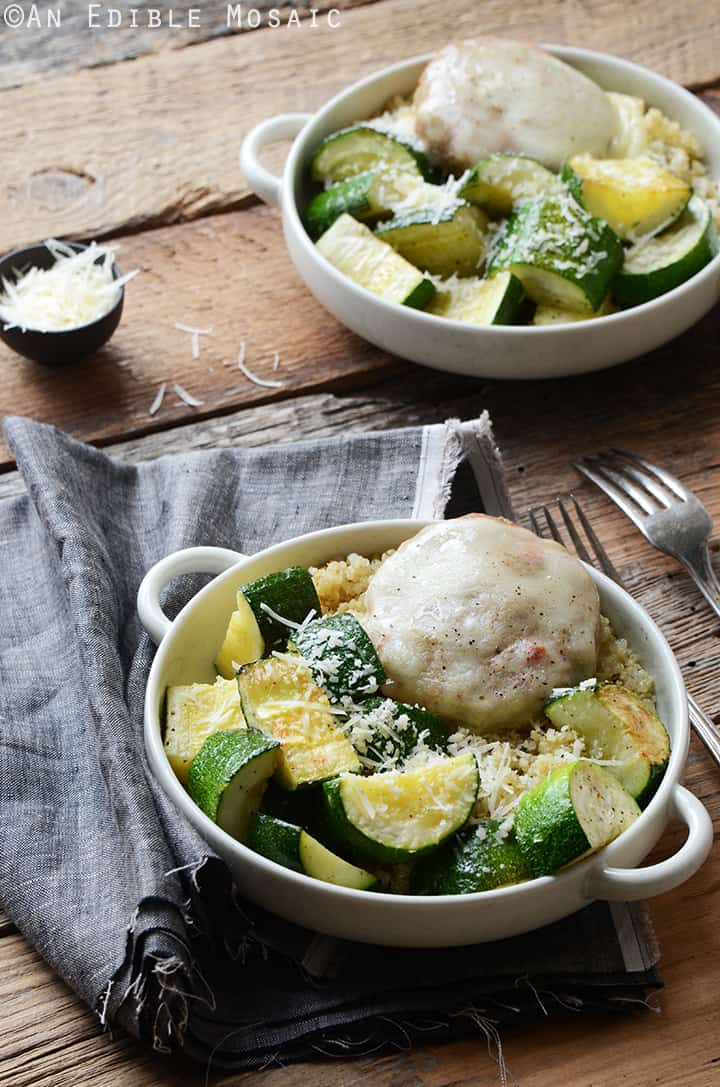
{"type": "Point", "coordinates": [499, 351]}
{"type": "Point", "coordinates": [186, 649]}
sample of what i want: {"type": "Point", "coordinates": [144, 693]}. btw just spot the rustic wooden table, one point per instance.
{"type": "Point", "coordinates": [133, 134]}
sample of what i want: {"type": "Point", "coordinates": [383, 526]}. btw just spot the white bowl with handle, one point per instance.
{"type": "Point", "coordinates": [187, 647]}
{"type": "Point", "coordinates": [500, 351]}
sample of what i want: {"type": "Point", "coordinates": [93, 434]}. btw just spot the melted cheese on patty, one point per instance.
{"type": "Point", "coordinates": [477, 619]}
{"type": "Point", "coordinates": [481, 96]}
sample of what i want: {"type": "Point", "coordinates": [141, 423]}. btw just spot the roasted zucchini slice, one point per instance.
{"type": "Point", "coordinates": [280, 602]}
{"type": "Point", "coordinates": [192, 713]}
{"type": "Point", "coordinates": [229, 774]}
{"type": "Point", "coordinates": [360, 148]}
{"type": "Point", "coordinates": [499, 182]}
{"type": "Point", "coordinates": [356, 252]}
{"type": "Point", "coordinates": [280, 698]}
{"type": "Point", "coordinates": [619, 727]}
{"type": "Point", "coordinates": [398, 815]}
{"type": "Point", "coordinates": [579, 809]}
{"type": "Point", "coordinates": [660, 264]}
{"type": "Point", "coordinates": [477, 858]}
{"type": "Point", "coordinates": [341, 656]}
{"type": "Point", "coordinates": [293, 847]}
{"type": "Point", "coordinates": [496, 301]}
{"type": "Point", "coordinates": [443, 242]}
{"type": "Point", "coordinates": [561, 254]}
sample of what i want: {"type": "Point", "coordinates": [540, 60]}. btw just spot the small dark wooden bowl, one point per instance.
{"type": "Point", "coordinates": [68, 345]}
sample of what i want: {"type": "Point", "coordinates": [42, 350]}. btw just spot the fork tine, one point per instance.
{"type": "Point", "coordinates": [648, 482]}
{"type": "Point", "coordinates": [587, 468]}
{"type": "Point", "coordinates": [615, 475]}
{"type": "Point", "coordinates": [665, 477]}
{"type": "Point", "coordinates": [575, 536]}
{"type": "Point", "coordinates": [554, 530]}
{"type": "Point", "coordinates": [534, 521]}
{"type": "Point", "coordinates": [600, 553]}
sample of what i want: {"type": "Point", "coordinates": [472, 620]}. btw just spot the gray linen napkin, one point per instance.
{"type": "Point", "coordinates": [97, 867]}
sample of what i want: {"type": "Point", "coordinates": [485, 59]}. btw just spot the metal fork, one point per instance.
{"type": "Point", "coordinates": [595, 554]}
{"type": "Point", "coordinates": [669, 515]}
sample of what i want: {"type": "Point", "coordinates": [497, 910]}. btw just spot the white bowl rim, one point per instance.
{"type": "Point", "coordinates": [603, 858]}
{"type": "Point", "coordinates": [565, 52]}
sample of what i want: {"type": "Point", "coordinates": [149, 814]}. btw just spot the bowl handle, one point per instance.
{"type": "Point", "coordinates": [191, 560]}
{"type": "Point", "coordinates": [629, 884]}
{"type": "Point", "coordinates": [283, 127]}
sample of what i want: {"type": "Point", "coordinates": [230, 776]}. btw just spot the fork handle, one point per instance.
{"type": "Point", "coordinates": [705, 728]}
{"type": "Point", "coordinates": [699, 566]}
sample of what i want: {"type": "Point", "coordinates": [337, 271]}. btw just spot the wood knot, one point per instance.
{"type": "Point", "coordinates": [57, 187]}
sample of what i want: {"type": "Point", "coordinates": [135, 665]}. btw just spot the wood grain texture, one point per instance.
{"type": "Point", "coordinates": [154, 140]}
{"type": "Point", "coordinates": [30, 52]}
{"type": "Point", "coordinates": [231, 275]}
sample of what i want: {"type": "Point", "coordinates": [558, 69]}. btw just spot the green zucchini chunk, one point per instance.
{"type": "Point", "coordinates": [554, 315]}
{"type": "Point", "coordinates": [395, 816]}
{"type": "Point", "coordinates": [358, 196]}
{"type": "Point", "coordinates": [367, 197]}
{"type": "Point", "coordinates": [361, 148]}
{"type": "Point", "coordinates": [192, 713]}
{"type": "Point", "coordinates": [500, 181]}
{"type": "Point", "coordinates": [660, 264]}
{"type": "Point", "coordinates": [280, 698]}
{"type": "Point", "coordinates": [477, 858]}
{"type": "Point", "coordinates": [280, 602]}
{"type": "Point", "coordinates": [243, 641]}
{"type": "Point", "coordinates": [619, 727]}
{"type": "Point", "coordinates": [341, 656]}
{"type": "Point", "coordinates": [561, 254]}
{"type": "Point", "coordinates": [356, 252]}
{"type": "Point", "coordinates": [228, 776]}
{"type": "Point", "coordinates": [577, 810]}
{"type": "Point", "coordinates": [385, 733]}
{"type": "Point", "coordinates": [635, 197]}
{"type": "Point", "coordinates": [496, 301]}
{"type": "Point", "coordinates": [292, 847]}
{"type": "Point", "coordinates": [442, 242]}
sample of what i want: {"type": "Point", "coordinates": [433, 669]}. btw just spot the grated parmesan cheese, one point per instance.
{"type": "Point", "coordinates": [195, 334]}
{"type": "Point", "coordinates": [186, 397]}
{"type": "Point", "coordinates": [159, 397]}
{"type": "Point", "coordinates": [78, 289]}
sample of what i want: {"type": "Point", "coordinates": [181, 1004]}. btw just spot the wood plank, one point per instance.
{"type": "Point", "coordinates": [47, 1037]}
{"type": "Point", "coordinates": [146, 158]}
{"type": "Point", "coordinates": [6, 925]}
{"type": "Point", "coordinates": [32, 52]}
{"type": "Point", "coordinates": [231, 275]}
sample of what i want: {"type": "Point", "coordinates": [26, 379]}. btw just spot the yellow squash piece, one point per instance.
{"type": "Point", "coordinates": [636, 197]}
{"type": "Point", "coordinates": [243, 640]}
{"type": "Point", "coordinates": [280, 698]}
{"type": "Point", "coordinates": [192, 713]}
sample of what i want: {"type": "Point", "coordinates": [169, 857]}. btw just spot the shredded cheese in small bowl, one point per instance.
{"type": "Point", "coordinates": [60, 301]}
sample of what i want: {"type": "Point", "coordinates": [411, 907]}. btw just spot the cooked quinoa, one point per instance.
{"type": "Point", "coordinates": [642, 132]}
{"type": "Point", "coordinates": [514, 762]}
{"type": "Point", "coordinates": [341, 582]}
